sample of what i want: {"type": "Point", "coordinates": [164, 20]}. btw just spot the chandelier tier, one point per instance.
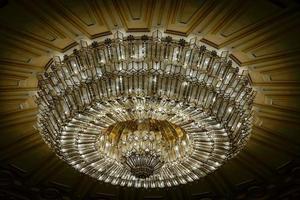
{"type": "Point", "coordinates": [145, 111]}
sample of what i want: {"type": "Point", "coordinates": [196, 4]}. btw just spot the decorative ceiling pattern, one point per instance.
{"type": "Point", "coordinates": [261, 36]}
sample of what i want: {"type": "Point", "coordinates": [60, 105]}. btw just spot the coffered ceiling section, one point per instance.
{"type": "Point", "coordinates": [261, 36]}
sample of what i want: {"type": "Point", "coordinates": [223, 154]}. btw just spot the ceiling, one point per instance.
{"type": "Point", "coordinates": [261, 36]}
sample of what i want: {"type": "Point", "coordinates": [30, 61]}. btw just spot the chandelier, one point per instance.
{"type": "Point", "coordinates": [145, 111]}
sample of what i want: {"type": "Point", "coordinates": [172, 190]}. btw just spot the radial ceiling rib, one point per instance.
{"type": "Point", "coordinates": [20, 67]}
{"type": "Point", "coordinates": [26, 144]}
{"type": "Point", "coordinates": [50, 167]}
{"type": "Point", "coordinates": [83, 187]}
{"type": "Point", "coordinates": [18, 116]}
{"type": "Point", "coordinates": [260, 26]}
{"type": "Point", "coordinates": [232, 12]}
{"type": "Point", "coordinates": [277, 136]}
{"type": "Point", "coordinates": [271, 143]}
{"type": "Point", "coordinates": [280, 112]}
{"type": "Point", "coordinates": [220, 181]}
{"type": "Point", "coordinates": [257, 173]}
{"type": "Point", "coordinates": [262, 165]}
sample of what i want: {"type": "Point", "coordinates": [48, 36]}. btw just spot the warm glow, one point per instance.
{"type": "Point", "coordinates": [145, 111]}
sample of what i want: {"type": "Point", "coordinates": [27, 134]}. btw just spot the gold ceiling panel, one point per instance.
{"type": "Point", "coordinates": [135, 15]}
{"type": "Point", "coordinates": [262, 36]}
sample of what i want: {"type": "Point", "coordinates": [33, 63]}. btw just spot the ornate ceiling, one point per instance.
{"type": "Point", "coordinates": [261, 36]}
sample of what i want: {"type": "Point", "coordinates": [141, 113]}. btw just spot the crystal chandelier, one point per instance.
{"type": "Point", "coordinates": [145, 111]}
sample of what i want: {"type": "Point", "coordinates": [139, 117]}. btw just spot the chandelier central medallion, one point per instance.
{"type": "Point", "coordinates": [145, 111]}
